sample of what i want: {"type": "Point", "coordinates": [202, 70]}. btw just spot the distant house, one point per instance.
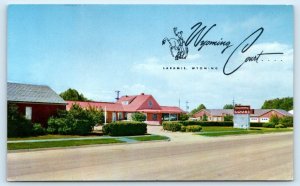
{"type": "Point", "coordinates": [36, 102]}
{"type": "Point", "coordinates": [123, 108]}
{"type": "Point", "coordinates": [259, 116]}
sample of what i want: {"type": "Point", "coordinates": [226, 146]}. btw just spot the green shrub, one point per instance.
{"type": "Point", "coordinates": [280, 126]}
{"type": "Point", "coordinates": [287, 121]}
{"type": "Point", "coordinates": [54, 124]}
{"type": "Point", "coordinates": [125, 128]}
{"type": "Point", "coordinates": [183, 128]}
{"type": "Point", "coordinates": [274, 119]}
{"type": "Point", "coordinates": [228, 117]}
{"type": "Point", "coordinates": [17, 124]}
{"type": "Point", "coordinates": [268, 125]}
{"type": "Point", "coordinates": [256, 124]}
{"type": "Point", "coordinates": [76, 121]}
{"type": "Point", "coordinates": [193, 128]}
{"type": "Point", "coordinates": [172, 126]}
{"type": "Point", "coordinates": [137, 116]}
{"type": "Point", "coordinates": [212, 123]}
{"type": "Point", "coordinates": [190, 122]}
{"type": "Point", "coordinates": [183, 117]}
{"type": "Point", "coordinates": [82, 127]}
{"type": "Point", "coordinates": [38, 130]}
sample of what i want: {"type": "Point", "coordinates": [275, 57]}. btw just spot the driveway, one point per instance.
{"type": "Point", "coordinates": [174, 136]}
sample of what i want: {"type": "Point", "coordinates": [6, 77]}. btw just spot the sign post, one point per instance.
{"type": "Point", "coordinates": [241, 117]}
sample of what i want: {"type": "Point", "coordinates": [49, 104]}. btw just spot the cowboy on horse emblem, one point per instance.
{"type": "Point", "coordinates": [177, 45]}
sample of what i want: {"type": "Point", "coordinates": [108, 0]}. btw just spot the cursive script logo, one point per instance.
{"type": "Point", "coordinates": [197, 38]}
{"type": "Point", "coordinates": [178, 47]}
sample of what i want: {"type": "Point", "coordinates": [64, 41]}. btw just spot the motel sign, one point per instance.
{"type": "Point", "coordinates": [241, 117]}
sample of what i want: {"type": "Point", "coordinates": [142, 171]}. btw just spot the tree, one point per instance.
{"type": "Point", "coordinates": [77, 121]}
{"type": "Point", "coordinates": [194, 111]}
{"type": "Point", "coordinates": [204, 117]}
{"type": "Point", "coordinates": [138, 117]}
{"type": "Point", "coordinates": [287, 121]}
{"type": "Point", "coordinates": [274, 119]}
{"type": "Point", "coordinates": [279, 103]}
{"type": "Point", "coordinates": [72, 95]}
{"type": "Point", "coordinates": [183, 117]}
{"type": "Point", "coordinates": [17, 124]}
{"type": "Point", "coordinates": [228, 106]}
{"type": "Point", "coordinates": [228, 117]}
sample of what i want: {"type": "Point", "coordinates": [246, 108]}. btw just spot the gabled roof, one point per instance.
{"type": "Point", "coordinates": [257, 112]}
{"type": "Point", "coordinates": [136, 103]}
{"type": "Point", "coordinates": [109, 106]}
{"type": "Point", "coordinates": [220, 112]}
{"type": "Point", "coordinates": [17, 92]}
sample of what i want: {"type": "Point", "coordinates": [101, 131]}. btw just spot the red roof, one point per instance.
{"type": "Point", "coordinates": [85, 104]}
{"type": "Point", "coordinates": [135, 103]}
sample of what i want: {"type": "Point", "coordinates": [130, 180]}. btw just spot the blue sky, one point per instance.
{"type": "Point", "coordinates": [98, 49]}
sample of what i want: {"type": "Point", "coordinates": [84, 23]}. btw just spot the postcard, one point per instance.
{"type": "Point", "coordinates": [150, 92]}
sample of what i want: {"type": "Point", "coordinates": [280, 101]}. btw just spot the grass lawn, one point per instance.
{"type": "Point", "coordinates": [211, 129]}
{"type": "Point", "coordinates": [149, 138]}
{"type": "Point", "coordinates": [223, 131]}
{"type": "Point", "coordinates": [50, 144]}
{"type": "Point", "coordinates": [49, 136]}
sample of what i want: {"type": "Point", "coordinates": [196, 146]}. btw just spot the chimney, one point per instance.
{"type": "Point", "coordinates": [142, 94]}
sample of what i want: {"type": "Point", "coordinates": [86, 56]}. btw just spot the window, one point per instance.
{"type": "Point", "coordinates": [114, 116]}
{"type": "Point", "coordinates": [28, 113]}
{"type": "Point", "coordinates": [154, 117]}
{"type": "Point", "coordinates": [125, 102]}
{"type": "Point", "coordinates": [150, 104]}
{"type": "Point", "coordinates": [120, 115]}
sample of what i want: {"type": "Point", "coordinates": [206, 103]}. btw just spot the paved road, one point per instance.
{"type": "Point", "coordinates": [246, 157]}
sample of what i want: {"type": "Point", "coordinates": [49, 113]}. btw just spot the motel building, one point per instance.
{"type": "Point", "coordinates": [36, 102]}
{"type": "Point", "coordinates": [126, 105]}
{"type": "Point", "coordinates": [256, 116]}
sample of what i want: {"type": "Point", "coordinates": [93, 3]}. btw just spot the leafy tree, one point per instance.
{"type": "Point", "coordinates": [274, 119]}
{"type": "Point", "coordinates": [279, 103]}
{"type": "Point", "coordinates": [204, 117]}
{"type": "Point", "coordinates": [194, 111]}
{"type": "Point", "coordinates": [183, 117]}
{"type": "Point", "coordinates": [138, 117]}
{"type": "Point", "coordinates": [228, 106]}
{"type": "Point", "coordinates": [75, 121]}
{"type": "Point", "coordinates": [72, 95]}
{"type": "Point", "coordinates": [17, 124]}
{"type": "Point", "coordinates": [228, 117]}
{"type": "Point", "coordinates": [287, 121]}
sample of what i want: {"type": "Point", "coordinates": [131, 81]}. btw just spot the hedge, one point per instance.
{"type": "Point", "coordinates": [172, 125]}
{"type": "Point", "coordinates": [38, 130]}
{"type": "Point", "coordinates": [269, 125]}
{"type": "Point", "coordinates": [280, 126]}
{"type": "Point", "coordinates": [125, 128]}
{"type": "Point", "coordinates": [203, 123]}
{"type": "Point", "coordinates": [256, 124]}
{"type": "Point", "coordinates": [193, 128]}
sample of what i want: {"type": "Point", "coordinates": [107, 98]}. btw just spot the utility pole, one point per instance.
{"type": "Point", "coordinates": [118, 94]}
{"type": "Point", "coordinates": [233, 104]}
{"type": "Point", "coordinates": [179, 102]}
{"type": "Point", "coordinates": [187, 106]}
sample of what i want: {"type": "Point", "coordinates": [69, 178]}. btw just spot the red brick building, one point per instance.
{"type": "Point", "coordinates": [258, 115]}
{"type": "Point", "coordinates": [36, 102]}
{"type": "Point", "coordinates": [126, 105]}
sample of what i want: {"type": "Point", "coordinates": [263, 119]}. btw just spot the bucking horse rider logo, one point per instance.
{"type": "Point", "coordinates": [177, 45]}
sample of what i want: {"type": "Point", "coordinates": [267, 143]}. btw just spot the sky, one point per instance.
{"type": "Point", "coordinates": [98, 49]}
